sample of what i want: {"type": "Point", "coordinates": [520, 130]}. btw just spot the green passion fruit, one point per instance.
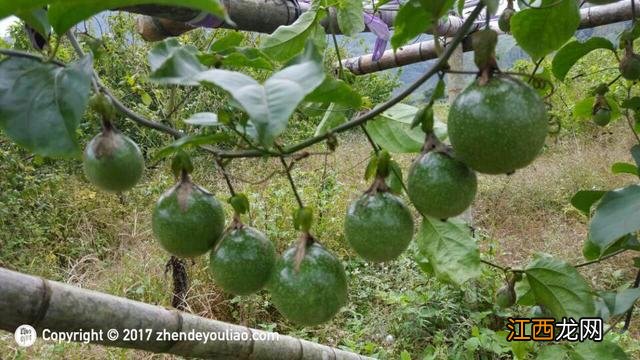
{"type": "Point", "coordinates": [498, 127]}
{"type": "Point", "coordinates": [378, 226]}
{"type": "Point", "coordinates": [505, 296]}
{"type": "Point", "coordinates": [504, 22]}
{"type": "Point", "coordinates": [113, 162]}
{"type": "Point", "coordinates": [187, 220]}
{"type": "Point", "coordinates": [312, 293]}
{"type": "Point", "coordinates": [242, 261]}
{"type": "Point", "coordinates": [602, 117]}
{"type": "Point", "coordinates": [630, 66]}
{"type": "Point", "coordinates": [441, 186]}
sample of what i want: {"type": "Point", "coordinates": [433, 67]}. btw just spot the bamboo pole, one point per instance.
{"type": "Point", "coordinates": [263, 16]}
{"type": "Point", "coordinates": [422, 51]}
{"type": "Point", "coordinates": [51, 305]}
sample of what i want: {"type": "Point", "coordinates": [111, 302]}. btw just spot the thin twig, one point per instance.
{"type": "Point", "coordinates": [225, 175]}
{"type": "Point", "coordinates": [600, 259]}
{"type": "Point", "coordinates": [291, 182]}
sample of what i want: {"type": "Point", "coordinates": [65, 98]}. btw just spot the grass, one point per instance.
{"type": "Point", "coordinates": [66, 230]}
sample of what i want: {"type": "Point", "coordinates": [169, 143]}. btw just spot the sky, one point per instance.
{"type": "Point", "coordinates": [4, 25]}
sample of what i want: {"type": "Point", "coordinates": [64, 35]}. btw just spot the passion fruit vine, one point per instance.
{"type": "Point", "coordinates": [187, 220]}
{"type": "Point", "coordinates": [308, 289]}
{"type": "Point", "coordinates": [112, 161]}
{"type": "Point", "coordinates": [378, 225]}
{"type": "Point", "coordinates": [243, 260]}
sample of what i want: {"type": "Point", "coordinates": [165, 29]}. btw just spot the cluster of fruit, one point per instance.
{"type": "Point", "coordinates": [497, 125]}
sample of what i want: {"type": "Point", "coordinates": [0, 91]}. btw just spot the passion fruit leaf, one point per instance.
{"type": "Point", "coordinates": [227, 42]}
{"type": "Point", "coordinates": [554, 352]}
{"type": "Point", "coordinates": [303, 219]}
{"type": "Point", "coordinates": [590, 350]}
{"type": "Point", "coordinates": [620, 302]}
{"type": "Point", "coordinates": [174, 64]}
{"type": "Point", "coordinates": [270, 105]}
{"type": "Point", "coordinates": [392, 130]}
{"type": "Point", "coordinates": [617, 214]}
{"type": "Point", "coordinates": [583, 200]}
{"type": "Point", "coordinates": [37, 19]}
{"type": "Point", "coordinates": [335, 91]}
{"type": "Point", "coordinates": [181, 162]}
{"type": "Point", "coordinates": [64, 14]}
{"type": "Point", "coordinates": [288, 41]}
{"type": "Point", "coordinates": [560, 288]}
{"type": "Point", "coordinates": [247, 57]}
{"type": "Point", "coordinates": [624, 168]}
{"type": "Point", "coordinates": [203, 119]}
{"type": "Point", "coordinates": [451, 250]}
{"type": "Point", "coordinates": [349, 14]}
{"type": "Point", "coordinates": [372, 168]}
{"type": "Point", "coordinates": [240, 203]}
{"type": "Point", "coordinates": [583, 109]}
{"type": "Point", "coordinates": [394, 180]}
{"type": "Point", "coordinates": [540, 31]}
{"type": "Point", "coordinates": [333, 116]}
{"type": "Point", "coordinates": [524, 294]}
{"type": "Point", "coordinates": [631, 103]}
{"type": "Point", "coordinates": [592, 251]}
{"type": "Point", "coordinates": [415, 16]}
{"type": "Point", "coordinates": [44, 124]}
{"type": "Point", "coordinates": [190, 141]}
{"type": "Point", "coordinates": [566, 57]}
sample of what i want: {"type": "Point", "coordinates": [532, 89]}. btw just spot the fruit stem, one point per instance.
{"type": "Point", "coordinates": [301, 250]}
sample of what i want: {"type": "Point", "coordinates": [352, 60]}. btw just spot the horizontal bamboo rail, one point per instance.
{"type": "Point", "coordinates": [263, 16]}
{"type": "Point", "coordinates": [426, 50]}
{"type": "Point", "coordinates": [51, 305]}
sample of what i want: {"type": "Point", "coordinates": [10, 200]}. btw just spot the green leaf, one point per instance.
{"type": "Point", "coordinates": [190, 141]}
{"type": "Point", "coordinates": [392, 130]}
{"type": "Point", "coordinates": [553, 352]}
{"type": "Point", "coordinates": [583, 200]}
{"type": "Point", "coordinates": [583, 109]}
{"type": "Point", "coordinates": [540, 31]}
{"type": "Point", "coordinates": [64, 14]}
{"type": "Point", "coordinates": [334, 116]}
{"type": "Point", "coordinates": [394, 180]}
{"type": "Point", "coordinates": [270, 105]}
{"type": "Point", "coordinates": [524, 294]}
{"type": "Point", "coordinates": [415, 17]}
{"type": "Point", "coordinates": [560, 288]}
{"type": "Point", "coordinates": [41, 104]}
{"type": "Point", "coordinates": [349, 14]}
{"type": "Point", "coordinates": [227, 42]}
{"type": "Point", "coordinates": [247, 57]}
{"type": "Point", "coordinates": [624, 168]}
{"type": "Point", "coordinates": [174, 64]}
{"type": "Point", "coordinates": [450, 249]}
{"type": "Point", "coordinates": [620, 302]}
{"type": "Point", "coordinates": [37, 19]}
{"type": "Point", "coordinates": [288, 41]}
{"type": "Point", "coordinates": [631, 103]}
{"type": "Point", "coordinates": [203, 119]}
{"type": "Point", "coordinates": [617, 214]}
{"type": "Point", "coordinates": [590, 350]}
{"type": "Point", "coordinates": [592, 251]}
{"type": "Point", "coordinates": [404, 355]}
{"type": "Point", "coordinates": [372, 167]}
{"type": "Point", "coordinates": [566, 57]}
{"type": "Point", "coordinates": [333, 90]}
